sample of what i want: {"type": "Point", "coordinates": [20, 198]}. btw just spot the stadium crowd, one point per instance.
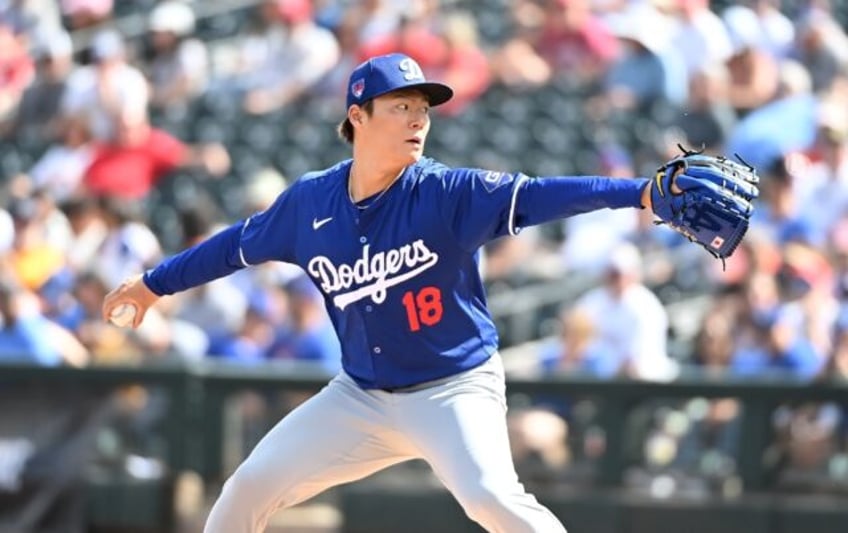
{"type": "Point", "coordinates": [90, 142]}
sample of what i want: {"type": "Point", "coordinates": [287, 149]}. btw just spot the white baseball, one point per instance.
{"type": "Point", "coordinates": [123, 315]}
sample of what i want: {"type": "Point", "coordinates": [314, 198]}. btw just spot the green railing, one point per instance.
{"type": "Point", "coordinates": [194, 429]}
{"type": "Point", "coordinates": [194, 426]}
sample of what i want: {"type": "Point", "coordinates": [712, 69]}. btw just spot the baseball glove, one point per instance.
{"type": "Point", "coordinates": [706, 198]}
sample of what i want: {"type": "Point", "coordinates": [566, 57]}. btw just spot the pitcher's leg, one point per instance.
{"type": "Point", "coordinates": [335, 437]}
{"type": "Point", "coordinates": [460, 429]}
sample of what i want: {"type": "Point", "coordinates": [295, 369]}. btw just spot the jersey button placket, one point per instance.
{"type": "Point", "coordinates": [363, 239]}
{"type": "Point", "coordinates": [377, 350]}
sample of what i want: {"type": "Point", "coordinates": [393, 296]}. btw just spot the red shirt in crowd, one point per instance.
{"type": "Point", "coordinates": [132, 171]}
{"type": "Point", "coordinates": [425, 47]}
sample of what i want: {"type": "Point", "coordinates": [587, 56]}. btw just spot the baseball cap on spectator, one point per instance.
{"type": "Point", "coordinates": [56, 44]}
{"type": "Point", "coordinates": [743, 26]}
{"type": "Point", "coordinates": [643, 25]}
{"type": "Point", "coordinates": [625, 259]}
{"type": "Point", "coordinates": [23, 210]}
{"type": "Point", "coordinates": [97, 8]}
{"type": "Point", "coordinates": [260, 304]}
{"type": "Point", "coordinates": [107, 44]}
{"type": "Point", "coordinates": [172, 16]}
{"type": "Point", "coordinates": [391, 72]}
{"type": "Point", "coordinates": [294, 11]}
{"type": "Point", "coordinates": [262, 188]}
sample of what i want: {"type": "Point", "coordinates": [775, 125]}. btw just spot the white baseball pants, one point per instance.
{"type": "Point", "coordinates": [345, 433]}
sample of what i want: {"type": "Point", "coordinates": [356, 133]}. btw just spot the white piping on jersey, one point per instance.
{"type": "Point", "coordinates": [241, 250]}
{"type": "Point", "coordinates": [511, 222]}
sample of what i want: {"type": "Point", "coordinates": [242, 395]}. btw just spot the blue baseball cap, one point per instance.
{"type": "Point", "coordinates": [384, 74]}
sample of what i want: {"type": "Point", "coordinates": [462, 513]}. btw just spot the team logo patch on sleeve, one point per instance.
{"type": "Point", "coordinates": [492, 180]}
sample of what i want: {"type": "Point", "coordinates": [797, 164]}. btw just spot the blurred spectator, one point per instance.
{"type": "Point", "coordinates": [414, 37]}
{"type": "Point", "coordinates": [178, 68]}
{"type": "Point", "coordinates": [578, 349]}
{"type": "Point", "coordinates": [80, 14]}
{"type": "Point", "coordinates": [808, 438]}
{"type": "Point", "coordinates": [754, 73]}
{"type": "Point", "coordinates": [254, 336]}
{"type": "Point", "coordinates": [538, 440]}
{"type": "Point", "coordinates": [261, 189]}
{"type": "Point", "coordinates": [466, 67]}
{"type": "Point", "coordinates": [106, 90]}
{"type": "Point", "coordinates": [56, 230]}
{"type": "Point", "coordinates": [516, 62]}
{"type": "Point", "coordinates": [715, 340]}
{"type": "Point", "coordinates": [289, 55]}
{"type": "Point", "coordinates": [129, 245]}
{"type": "Point", "coordinates": [373, 19]}
{"type": "Point", "coordinates": [822, 188]}
{"type": "Point", "coordinates": [629, 317]}
{"type": "Point", "coordinates": [109, 344]}
{"type": "Point", "coordinates": [334, 83]}
{"type": "Point", "coordinates": [701, 37]}
{"type": "Point", "coordinates": [504, 264]}
{"type": "Point", "coordinates": [139, 156]}
{"type": "Point", "coordinates": [779, 214]}
{"type": "Point", "coordinates": [778, 128]}
{"type": "Point", "coordinates": [794, 79]}
{"type": "Point", "coordinates": [765, 26]}
{"type": "Point", "coordinates": [27, 336]}
{"type": "Point", "coordinates": [62, 167]}
{"type": "Point", "coordinates": [311, 337]}
{"type": "Point", "coordinates": [647, 70]}
{"type": "Point", "coordinates": [33, 258]}
{"type": "Point", "coordinates": [219, 308]}
{"type": "Point", "coordinates": [36, 18]}
{"type": "Point", "coordinates": [17, 69]}
{"type": "Point", "coordinates": [88, 231]}
{"type": "Point", "coordinates": [708, 118]}
{"type": "Point", "coordinates": [822, 47]}
{"type": "Point", "coordinates": [575, 42]}
{"type": "Point", "coordinates": [37, 114]}
{"type": "Point", "coordinates": [591, 237]}
{"type": "Point", "coordinates": [775, 337]}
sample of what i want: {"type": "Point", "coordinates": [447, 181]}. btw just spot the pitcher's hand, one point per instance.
{"type": "Point", "coordinates": [132, 291]}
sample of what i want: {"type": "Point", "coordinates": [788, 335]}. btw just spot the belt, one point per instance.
{"type": "Point", "coordinates": [419, 386]}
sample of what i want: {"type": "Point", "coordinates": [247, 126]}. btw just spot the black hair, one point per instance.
{"type": "Point", "coordinates": [345, 128]}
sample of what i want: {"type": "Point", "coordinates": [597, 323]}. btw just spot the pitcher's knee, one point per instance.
{"type": "Point", "coordinates": [254, 487]}
{"type": "Point", "coordinates": [481, 503]}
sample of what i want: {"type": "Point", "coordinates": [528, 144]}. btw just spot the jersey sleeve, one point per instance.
{"type": "Point", "coordinates": [270, 235]}
{"type": "Point", "coordinates": [479, 205]}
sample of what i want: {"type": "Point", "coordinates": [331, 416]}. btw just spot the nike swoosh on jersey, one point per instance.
{"type": "Point", "coordinates": [318, 223]}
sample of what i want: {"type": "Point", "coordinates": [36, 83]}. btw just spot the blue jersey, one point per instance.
{"type": "Point", "coordinates": [399, 272]}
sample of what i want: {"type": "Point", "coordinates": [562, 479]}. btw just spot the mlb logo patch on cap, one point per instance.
{"type": "Point", "coordinates": [357, 88]}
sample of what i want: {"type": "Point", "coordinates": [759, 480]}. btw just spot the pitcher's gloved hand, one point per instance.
{"type": "Point", "coordinates": [706, 198]}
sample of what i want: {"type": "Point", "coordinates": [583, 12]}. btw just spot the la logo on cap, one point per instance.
{"type": "Point", "coordinates": [358, 87]}
{"type": "Point", "coordinates": [411, 70]}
